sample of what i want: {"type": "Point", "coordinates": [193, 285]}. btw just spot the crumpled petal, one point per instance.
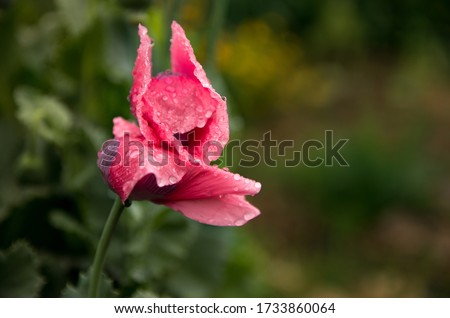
{"type": "Point", "coordinates": [182, 57]}
{"type": "Point", "coordinates": [142, 77]}
{"type": "Point", "coordinates": [226, 210]}
{"type": "Point", "coordinates": [177, 105]}
{"type": "Point", "coordinates": [135, 158]}
{"type": "Point", "coordinates": [122, 126]}
{"type": "Point", "coordinates": [184, 62]}
{"type": "Point", "coordinates": [142, 72]}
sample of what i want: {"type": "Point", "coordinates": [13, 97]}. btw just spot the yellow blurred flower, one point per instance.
{"type": "Point", "coordinates": [269, 66]}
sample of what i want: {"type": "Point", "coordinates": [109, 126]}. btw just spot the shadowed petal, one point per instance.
{"type": "Point", "coordinates": [215, 130]}
{"type": "Point", "coordinates": [147, 189]}
{"type": "Point", "coordinates": [227, 210]}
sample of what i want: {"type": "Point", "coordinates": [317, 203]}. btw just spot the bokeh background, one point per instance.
{"type": "Point", "coordinates": [375, 72]}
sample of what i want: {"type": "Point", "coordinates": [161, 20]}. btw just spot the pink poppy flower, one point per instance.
{"type": "Point", "coordinates": [182, 127]}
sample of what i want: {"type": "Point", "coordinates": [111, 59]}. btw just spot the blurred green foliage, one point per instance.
{"type": "Point", "coordinates": [376, 72]}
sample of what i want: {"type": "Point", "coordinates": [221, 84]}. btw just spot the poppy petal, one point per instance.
{"type": "Point", "coordinates": [122, 127]}
{"type": "Point", "coordinates": [142, 72]}
{"type": "Point", "coordinates": [184, 62]}
{"type": "Point", "coordinates": [201, 182]}
{"type": "Point", "coordinates": [142, 77]}
{"type": "Point", "coordinates": [129, 158]}
{"type": "Point", "coordinates": [182, 56]}
{"type": "Point", "coordinates": [227, 210]}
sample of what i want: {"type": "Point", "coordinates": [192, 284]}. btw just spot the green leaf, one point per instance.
{"type": "Point", "coordinates": [81, 290]}
{"type": "Point", "coordinates": [200, 274]}
{"type": "Point", "coordinates": [143, 293]}
{"type": "Point", "coordinates": [64, 222]}
{"type": "Point", "coordinates": [19, 272]}
{"type": "Point", "coordinates": [77, 15]}
{"type": "Point", "coordinates": [43, 115]}
{"type": "Point", "coordinates": [160, 241]}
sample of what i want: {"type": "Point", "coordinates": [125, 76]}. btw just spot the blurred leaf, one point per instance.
{"type": "Point", "coordinates": [120, 50]}
{"type": "Point", "coordinates": [39, 42]}
{"type": "Point", "coordinates": [201, 272]}
{"type": "Point", "coordinates": [19, 272]}
{"type": "Point", "coordinates": [82, 288]}
{"type": "Point", "coordinates": [142, 293]}
{"type": "Point", "coordinates": [160, 241]}
{"type": "Point", "coordinates": [77, 15]}
{"type": "Point", "coordinates": [246, 267]}
{"type": "Point", "coordinates": [64, 222]}
{"type": "Point", "coordinates": [43, 115]}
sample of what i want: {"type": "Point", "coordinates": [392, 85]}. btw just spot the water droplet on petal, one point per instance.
{"type": "Point", "coordinates": [236, 177]}
{"type": "Point", "coordinates": [201, 123]}
{"type": "Point", "coordinates": [208, 114]}
{"type": "Point", "coordinates": [127, 186]}
{"type": "Point", "coordinates": [248, 216]}
{"type": "Point", "coordinates": [257, 185]}
{"type": "Point", "coordinates": [199, 109]}
{"type": "Point", "coordinates": [239, 222]}
{"type": "Point", "coordinates": [172, 180]}
{"type": "Point", "coordinates": [165, 97]}
{"type": "Point", "coordinates": [170, 89]}
{"type": "Point", "coordinates": [226, 169]}
{"type": "Point", "coordinates": [134, 154]}
{"type": "Point", "coordinates": [246, 181]}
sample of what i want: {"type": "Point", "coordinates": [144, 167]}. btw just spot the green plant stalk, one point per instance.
{"type": "Point", "coordinates": [102, 247]}
{"type": "Point", "coordinates": [216, 21]}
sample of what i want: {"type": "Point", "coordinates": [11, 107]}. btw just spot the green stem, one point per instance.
{"type": "Point", "coordinates": [102, 246]}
